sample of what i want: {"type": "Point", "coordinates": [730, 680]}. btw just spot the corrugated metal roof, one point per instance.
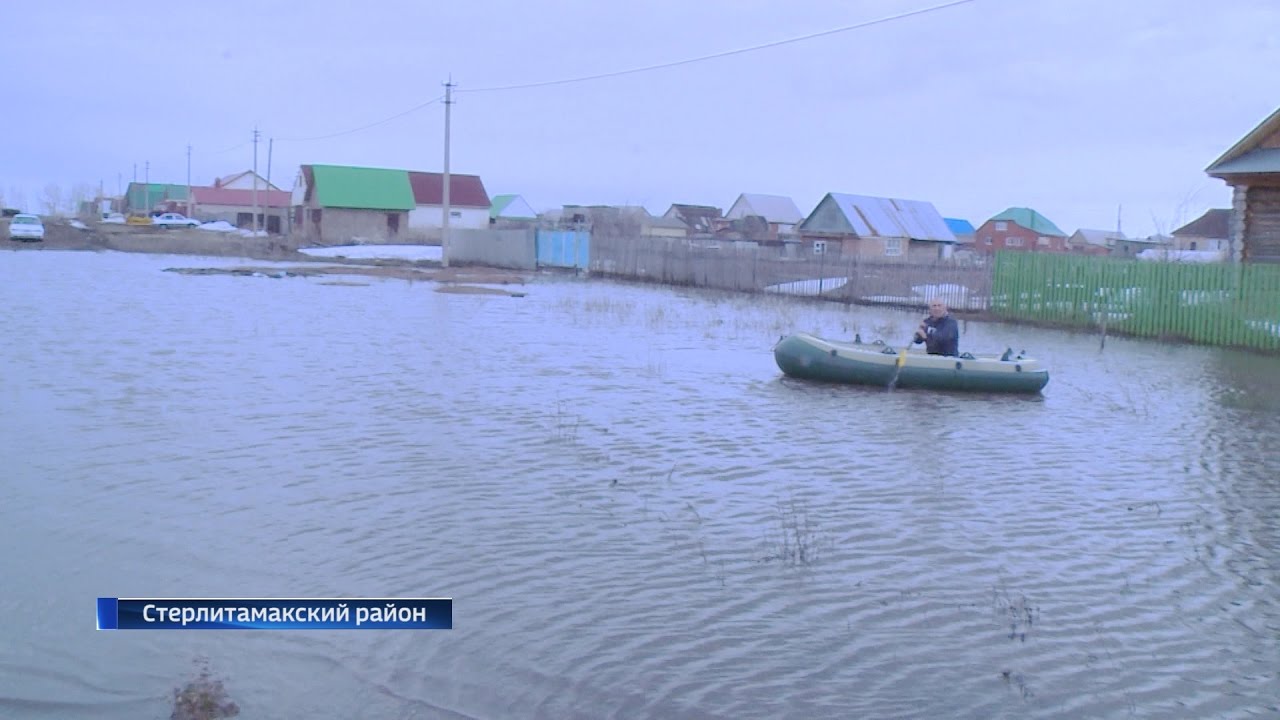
{"type": "Point", "coordinates": [773, 208]}
{"type": "Point", "coordinates": [144, 195]}
{"type": "Point", "coordinates": [959, 227]}
{"type": "Point", "coordinates": [1262, 160]}
{"type": "Point", "coordinates": [361, 188]}
{"type": "Point", "coordinates": [464, 190]}
{"type": "Point", "coordinates": [1101, 238]}
{"type": "Point", "coordinates": [893, 218]}
{"type": "Point", "coordinates": [1214, 223]}
{"type": "Point", "coordinates": [1251, 141]}
{"type": "Point", "coordinates": [1031, 220]}
{"type": "Point", "coordinates": [511, 207]}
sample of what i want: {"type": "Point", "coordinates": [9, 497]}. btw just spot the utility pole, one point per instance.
{"type": "Point", "coordinates": [188, 180]}
{"type": "Point", "coordinates": [255, 180]}
{"type": "Point", "coordinates": [444, 226]}
{"type": "Point", "coordinates": [146, 186]}
{"type": "Point", "coordinates": [129, 200]}
{"type": "Point", "coordinates": [270, 142]}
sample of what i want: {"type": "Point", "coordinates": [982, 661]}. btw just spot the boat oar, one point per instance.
{"type": "Point", "coordinates": [902, 360]}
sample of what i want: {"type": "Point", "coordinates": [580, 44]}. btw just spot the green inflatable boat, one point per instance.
{"type": "Point", "coordinates": [810, 357]}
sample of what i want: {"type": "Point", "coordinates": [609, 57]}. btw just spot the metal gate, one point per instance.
{"type": "Point", "coordinates": [564, 248]}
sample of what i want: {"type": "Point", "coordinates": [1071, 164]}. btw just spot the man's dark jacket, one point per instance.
{"type": "Point", "coordinates": [943, 336]}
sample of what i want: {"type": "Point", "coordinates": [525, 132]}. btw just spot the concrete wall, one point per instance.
{"type": "Point", "coordinates": [341, 226]}
{"type": "Point", "coordinates": [233, 214]}
{"type": "Point", "coordinates": [430, 216]}
{"type": "Point", "coordinates": [495, 248]}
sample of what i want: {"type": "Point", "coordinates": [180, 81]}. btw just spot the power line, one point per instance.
{"type": "Point", "coordinates": [365, 127]}
{"type": "Point", "coordinates": [233, 147]}
{"type": "Point", "coordinates": [727, 53]}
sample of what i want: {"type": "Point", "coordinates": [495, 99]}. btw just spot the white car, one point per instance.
{"type": "Point", "coordinates": [114, 218]}
{"type": "Point", "coordinates": [26, 227]}
{"type": "Point", "coordinates": [168, 220]}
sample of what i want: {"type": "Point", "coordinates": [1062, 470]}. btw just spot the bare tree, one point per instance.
{"type": "Point", "coordinates": [52, 199]}
{"type": "Point", "coordinates": [18, 198]}
{"type": "Point", "coordinates": [80, 194]}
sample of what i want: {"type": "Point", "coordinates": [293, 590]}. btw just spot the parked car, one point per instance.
{"type": "Point", "coordinates": [168, 220]}
{"type": "Point", "coordinates": [114, 218]}
{"type": "Point", "coordinates": [26, 227]}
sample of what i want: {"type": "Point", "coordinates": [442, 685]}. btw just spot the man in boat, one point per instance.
{"type": "Point", "coordinates": [939, 332]}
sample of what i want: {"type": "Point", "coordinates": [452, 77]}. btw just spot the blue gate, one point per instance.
{"type": "Point", "coordinates": [564, 248]}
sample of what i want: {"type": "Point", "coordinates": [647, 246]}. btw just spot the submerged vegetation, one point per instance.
{"type": "Point", "coordinates": [202, 698]}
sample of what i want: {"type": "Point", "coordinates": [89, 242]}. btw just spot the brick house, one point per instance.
{"type": "Point", "coordinates": [1019, 229]}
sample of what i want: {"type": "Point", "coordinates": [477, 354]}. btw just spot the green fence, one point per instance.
{"type": "Point", "coordinates": [1228, 304]}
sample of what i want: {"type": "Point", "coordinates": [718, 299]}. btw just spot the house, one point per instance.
{"type": "Point", "coordinates": [237, 206]}
{"type": "Point", "coordinates": [699, 219]}
{"type": "Point", "coordinates": [859, 225]}
{"type": "Point", "coordinates": [778, 211]}
{"type": "Point", "coordinates": [1019, 228]}
{"type": "Point", "coordinates": [962, 229]}
{"type": "Point", "coordinates": [510, 208]}
{"type": "Point", "coordinates": [338, 204]}
{"type": "Point", "coordinates": [142, 198]}
{"type": "Point", "coordinates": [468, 202]}
{"type": "Point", "coordinates": [1130, 247]}
{"type": "Point", "coordinates": [1087, 241]}
{"type": "Point", "coordinates": [1252, 168]}
{"type": "Point", "coordinates": [620, 221]}
{"type": "Point", "coordinates": [243, 181]}
{"type": "Point", "coordinates": [1210, 231]}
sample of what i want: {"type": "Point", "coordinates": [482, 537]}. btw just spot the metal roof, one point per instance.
{"type": "Point", "coordinates": [1262, 160]}
{"type": "Point", "coordinates": [1031, 220]}
{"type": "Point", "coordinates": [464, 190]}
{"type": "Point", "coordinates": [240, 198]}
{"type": "Point", "coordinates": [360, 188]}
{"type": "Point", "coordinates": [1215, 223]}
{"type": "Point", "coordinates": [1251, 141]}
{"type": "Point", "coordinates": [773, 208]}
{"type": "Point", "coordinates": [959, 227]}
{"type": "Point", "coordinates": [1101, 238]}
{"type": "Point", "coordinates": [893, 218]}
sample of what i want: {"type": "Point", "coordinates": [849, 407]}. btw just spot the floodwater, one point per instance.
{"type": "Point", "coordinates": [635, 514]}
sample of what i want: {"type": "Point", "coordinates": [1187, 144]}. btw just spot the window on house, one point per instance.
{"type": "Point", "coordinates": [819, 247]}
{"type": "Point", "coordinates": [315, 216]}
{"type": "Point", "coordinates": [1193, 245]}
{"type": "Point", "coordinates": [455, 213]}
{"type": "Point", "coordinates": [1013, 241]}
{"type": "Point", "coordinates": [986, 240]}
{"type": "Point", "coordinates": [1002, 226]}
{"type": "Point", "coordinates": [1042, 241]}
{"type": "Point", "coordinates": [893, 247]}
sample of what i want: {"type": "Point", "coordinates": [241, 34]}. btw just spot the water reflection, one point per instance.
{"type": "Point", "coordinates": [635, 513]}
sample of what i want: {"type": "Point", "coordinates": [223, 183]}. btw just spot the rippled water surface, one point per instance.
{"type": "Point", "coordinates": [635, 513]}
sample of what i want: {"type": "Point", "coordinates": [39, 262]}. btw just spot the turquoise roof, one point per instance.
{"type": "Point", "coordinates": [1031, 220]}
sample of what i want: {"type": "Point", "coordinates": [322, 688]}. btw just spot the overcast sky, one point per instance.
{"type": "Point", "coordinates": [1072, 107]}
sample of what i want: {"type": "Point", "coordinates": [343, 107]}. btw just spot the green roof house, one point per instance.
{"type": "Point", "coordinates": [511, 208]}
{"type": "Point", "coordinates": [342, 205]}
{"type": "Point", "coordinates": [145, 197]}
{"type": "Point", "coordinates": [1019, 228]}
